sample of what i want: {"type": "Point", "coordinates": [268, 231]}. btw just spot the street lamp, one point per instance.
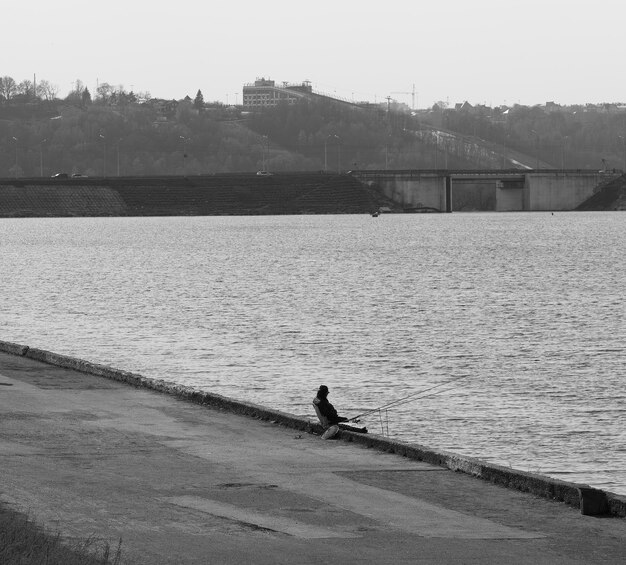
{"type": "Point", "coordinates": [563, 148]}
{"type": "Point", "coordinates": [184, 140]}
{"type": "Point", "coordinates": [333, 136]}
{"type": "Point", "coordinates": [41, 157]}
{"type": "Point", "coordinates": [118, 156]}
{"type": "Point", "coordinates": [104, 161]}
{"type": "Point", "coordinates": [387, 152]}
{"type": "Point", "coordinates": [16, 164]}
{"type": "Point", "coordinates": [338, 154]}
{"type": "Point", "coordinates": [265, 144]}
{"type": "Point", "coordinates": [536, 147]}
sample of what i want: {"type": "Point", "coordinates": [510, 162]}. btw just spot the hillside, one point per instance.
{"type": "Point", "coordinates": [119, 136]}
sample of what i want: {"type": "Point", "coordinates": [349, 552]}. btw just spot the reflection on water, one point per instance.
{"type": "Point", "coordinates": [528, 306]}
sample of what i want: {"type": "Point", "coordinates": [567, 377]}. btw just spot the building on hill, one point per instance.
{"type": "Point", "coordinates": [264, 93]}
{"type": "Point", "coordinates": [463, 107]}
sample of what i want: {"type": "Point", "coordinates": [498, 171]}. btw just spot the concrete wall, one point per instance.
{"type": "Point", "coordinates": [589, 500]}
{"type": "Point", "coordinates": [409, 189]}
{"type": "Point", "coordinates": [477, 190]}
{"type": "Point", "coordinates": [472, 195]}
{"type": "Point", "coordinates": [562, 190]}
{"type": "Point", "coordinates": [509, 199]}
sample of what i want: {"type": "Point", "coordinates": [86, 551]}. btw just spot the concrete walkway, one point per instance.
{"type": "Point", "coordinates": [187, 484]}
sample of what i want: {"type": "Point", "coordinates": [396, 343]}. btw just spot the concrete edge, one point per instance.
{"type": "Point", "coordinates": [591, 501]}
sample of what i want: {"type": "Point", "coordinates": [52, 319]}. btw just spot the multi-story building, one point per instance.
{"type": "Point", "coordinates": [265, 94]}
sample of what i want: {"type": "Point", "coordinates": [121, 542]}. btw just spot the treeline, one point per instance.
{"type": "Point", "coordinates": [100, 140]}
{"type": "Point", "coordinates": [115, 132]}
{"type": "Point", "coordinates": [159, 137]}
{"type": "Point", "coordinates": [122, 138]}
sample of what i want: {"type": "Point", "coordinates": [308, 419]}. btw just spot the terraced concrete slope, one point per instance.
{"type": "Point", "coordinates": [611, 196]}
{"type": "Point", "coordinates": [44, 200]}
{"type": "Point", "coordinates": [233, 194]}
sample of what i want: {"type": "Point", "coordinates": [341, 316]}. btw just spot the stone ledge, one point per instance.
{"type": "Point", "coordinates": [13, 348]}
{"type": "Point", "coordinates": [539, 485]}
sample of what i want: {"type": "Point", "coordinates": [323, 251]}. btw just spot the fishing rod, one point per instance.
{"type": "Point", "coordinates": [386, 422]}
{"type": "Point", "coordinates": [409, 398]}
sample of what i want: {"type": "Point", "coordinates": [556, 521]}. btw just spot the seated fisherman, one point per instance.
{"type": "Point", "coordinates": [328, 417]}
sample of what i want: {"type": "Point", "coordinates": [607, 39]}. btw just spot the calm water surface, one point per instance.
{"type": "Point", "coordinates": [525, 311]}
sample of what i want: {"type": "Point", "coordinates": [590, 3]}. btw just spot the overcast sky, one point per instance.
{"type": "Point", "coordinates": [482, 51]}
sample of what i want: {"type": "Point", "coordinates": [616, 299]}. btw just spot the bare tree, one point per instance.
{"type": "Point", "coordinates": [47, 91]}
{"type": "Point", "coordinates": [8, 87]}
{"type": "Point", "coordinates": [79, 87]}
{"type": "Point", "coordinates": [26, 88]}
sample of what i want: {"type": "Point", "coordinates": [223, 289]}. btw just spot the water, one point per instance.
{"type": "Point", "coordinates": [528, 306]}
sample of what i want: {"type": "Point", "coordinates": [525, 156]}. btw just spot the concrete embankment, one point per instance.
{"type": "Point", "coordinates": [591, 501]}
{"type": "Point", "coordinates": [185, 477]}
{"type": "Point", "coordinates": [202, 195]}
{"type": "Point", "coordinates": [611, 196]}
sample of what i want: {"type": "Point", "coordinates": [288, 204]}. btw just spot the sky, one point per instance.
{"type": "Point", "coordinates": [481, 51]}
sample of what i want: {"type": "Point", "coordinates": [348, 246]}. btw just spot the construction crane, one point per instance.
{"type": "Point", "coordinates": [412, 97]}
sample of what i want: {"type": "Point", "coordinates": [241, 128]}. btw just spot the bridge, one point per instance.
{"type": "Point", "coordinates": [497, 190]}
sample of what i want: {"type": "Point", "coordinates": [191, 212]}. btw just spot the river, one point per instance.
{"type": "Point", "coordinates": [521, 314]}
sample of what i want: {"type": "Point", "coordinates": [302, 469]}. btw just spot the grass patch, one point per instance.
{"type": "Point", "coordinates": [23, 542]}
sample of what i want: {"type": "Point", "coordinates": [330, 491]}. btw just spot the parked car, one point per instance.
{"type": "Point", "coordinates": [60, 176]}
{"type": "Point", "coordinates": [264, 174]}
{"type": "Point", "coordinates": [78, 176]}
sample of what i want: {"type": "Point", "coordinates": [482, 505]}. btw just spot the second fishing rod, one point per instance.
{"type": "Point", "coordinates": [409, 398]}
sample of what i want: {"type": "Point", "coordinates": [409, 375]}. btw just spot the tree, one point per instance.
{"type": "Point", "coordinates": [46, 91]}
{"type": "Point", "coordinates": [198, 102]}
{"type": "Point", "coordinates": [26, 89]}
{"type": "Point", "coordinates": [105, 92]}
{"type": "Point", "coordinates": [76, 94]}
{"type": "Point", "coordinates": [8, 87]}
{"type": "Point", "coordinates": [86, 97]}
